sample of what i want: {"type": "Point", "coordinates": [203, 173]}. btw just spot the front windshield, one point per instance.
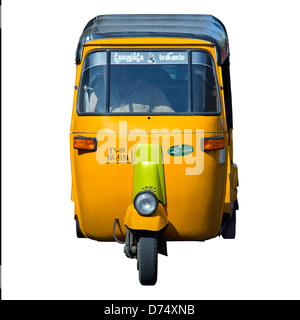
{"type": "Point", "coordinates": [149, 82]}
{"type": "Point", "coordinates": [156, 82]}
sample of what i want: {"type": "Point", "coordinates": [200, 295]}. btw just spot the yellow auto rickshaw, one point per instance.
{"type": "Point", "coordinates": [151, 134]}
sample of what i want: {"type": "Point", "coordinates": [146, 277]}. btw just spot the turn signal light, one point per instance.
{"type": "Point", "coordinates": [83, 143]}
{"type": "Point", "coordinates": [213, 143]}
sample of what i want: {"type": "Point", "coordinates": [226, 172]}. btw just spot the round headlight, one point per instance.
{"type": "Point", "coordinates": [145, 203]}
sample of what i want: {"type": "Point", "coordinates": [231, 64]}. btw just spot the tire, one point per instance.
{"type": "Point", "coordinates": [230, 227]}
{"type": "Point", "coordinates": [78, 230]}
{"type": "Point", "coordinates": [147, 260]}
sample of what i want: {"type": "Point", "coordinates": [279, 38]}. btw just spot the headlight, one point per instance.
{"type": "Point", "coordinates": [145, 203]}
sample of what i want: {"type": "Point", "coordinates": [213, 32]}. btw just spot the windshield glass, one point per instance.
{"type": "Point", "coordinates": [92, 89]}
{"type": "Point", "coordinates": [149, 82]}
{"type": "Point", "coordinates": [158, 82]}
{"type": "Point", "coordinates": [205, 90]}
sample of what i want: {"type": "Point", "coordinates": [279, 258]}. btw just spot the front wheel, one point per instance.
{"type": "Point", "coordinates": [147, 260]}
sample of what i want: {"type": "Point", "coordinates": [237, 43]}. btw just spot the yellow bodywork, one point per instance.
{"type": "Point", "coordinates": [102, 187]}
{"type": "Point", "coordinates": [155, 222]}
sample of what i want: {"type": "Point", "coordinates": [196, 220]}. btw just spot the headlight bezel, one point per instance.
{"type": "Point", "coordinates": [139, 209]}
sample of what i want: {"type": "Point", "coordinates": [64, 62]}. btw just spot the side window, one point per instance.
{"type": "Point", "coordinates": [205, 90]}
{"type": "Point", "coordinates": [92, 91]}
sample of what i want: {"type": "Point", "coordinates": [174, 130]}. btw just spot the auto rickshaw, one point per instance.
{"type": "Point", "coordinates": [151, 137]}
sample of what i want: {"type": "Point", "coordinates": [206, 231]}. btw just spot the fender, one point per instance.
{"type": "Point", "coordinates": [155, 222]}
{"type": "Point", "coordinates": [148, 175]}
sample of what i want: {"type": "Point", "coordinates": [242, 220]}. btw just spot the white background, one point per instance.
{"type": "Point", "coordinates": [41, 255]}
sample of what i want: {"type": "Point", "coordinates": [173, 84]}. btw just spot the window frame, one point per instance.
{"type": "Point", "coordinates": [189, 111]}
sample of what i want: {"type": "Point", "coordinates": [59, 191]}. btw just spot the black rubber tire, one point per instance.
{"type": "Point", "coordinates": [147, 260]}
{"type": "Point", "coordinates": [230, 229]}
{"type": "Point", "coordinates": [78, 230]}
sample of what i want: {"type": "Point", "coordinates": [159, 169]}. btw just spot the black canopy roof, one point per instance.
{"type": "Point", "coordinates": [196, 26]}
